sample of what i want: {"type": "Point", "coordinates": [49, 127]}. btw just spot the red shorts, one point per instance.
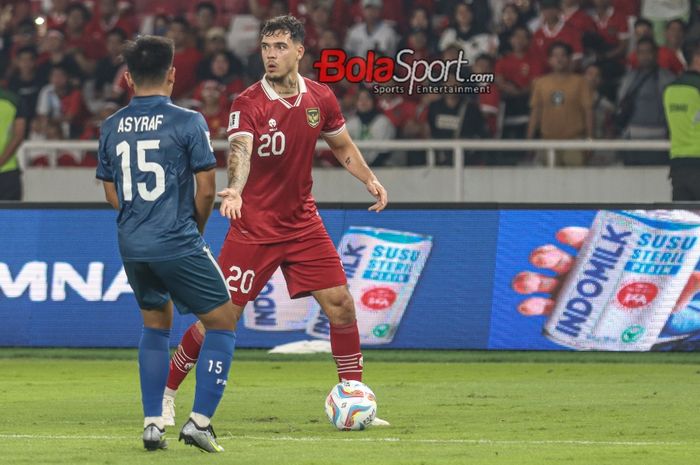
{"type": "Point", "coordinates": [309, 263]}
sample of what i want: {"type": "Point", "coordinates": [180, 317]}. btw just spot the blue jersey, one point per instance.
{"type": "Point", "coordinates": [150, 149]}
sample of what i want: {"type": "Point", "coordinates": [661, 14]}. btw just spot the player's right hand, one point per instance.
{"type": "Point", "coordinates": [231, 203]}
{"type": "Point", "coordinates": [375, 188]}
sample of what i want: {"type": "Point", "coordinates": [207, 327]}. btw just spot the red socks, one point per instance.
{"type": "Point", "coordinates": [345, 345]}
{"type": "Point", "coordinates": [185, 357]}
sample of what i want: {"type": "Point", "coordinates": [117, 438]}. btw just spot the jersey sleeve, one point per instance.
{"type": "Point", "coordinates": [199, 145]}
{"type": "Point", "coordinates": [334, 122]}
{"type": "Point", "coordinates": [241, 119]}
{"type": "Point", "coordinates": [104, 164]}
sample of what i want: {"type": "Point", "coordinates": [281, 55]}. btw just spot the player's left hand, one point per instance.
{"type": "Point", "coordinates": [231, 203]}
{"type": "Point", "coordinates": [378, 192]}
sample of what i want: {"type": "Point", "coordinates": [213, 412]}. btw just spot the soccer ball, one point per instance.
{"type": "Point", "coordinates": [351, 405]}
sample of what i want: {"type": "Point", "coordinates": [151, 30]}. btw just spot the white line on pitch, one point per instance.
{"type": "Point", "coordinates": [487, 442]}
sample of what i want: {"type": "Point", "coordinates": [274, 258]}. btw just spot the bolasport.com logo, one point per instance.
{"type": "Point", "coordinates": [407, 74]}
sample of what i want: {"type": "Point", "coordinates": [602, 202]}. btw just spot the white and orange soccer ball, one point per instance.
{"type": "Point", "coordinates": [351, 405]}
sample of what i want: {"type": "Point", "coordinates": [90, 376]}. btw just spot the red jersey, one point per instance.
{"type": "Point", "coordinates": [627, 7]}
{"type": "Point", "coordinates": [579, 20]}
{"type": "Point", "coordinates": [544, 37]}
{"type": "Point", "coordinates": [612, 26]}
{"type": "Point", "coordinates": [489, 104]}
{"type": "Point", "coordinates": [277, 201]}
{"type": "Point", "coordinates": [521, 71]}
{"type": "Point", "coordinates": [185, 63]}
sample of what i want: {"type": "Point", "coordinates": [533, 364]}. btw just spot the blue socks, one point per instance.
{"type": "Point", "coordinates": [154, 360]}
{"type": "Point", "coordinates": [212, 370]}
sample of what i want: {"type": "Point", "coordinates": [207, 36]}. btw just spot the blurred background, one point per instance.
{"type": "Point", "coordinates": [60, 64]}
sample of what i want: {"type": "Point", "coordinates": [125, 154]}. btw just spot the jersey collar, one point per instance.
{"type": "Point", "coordinates": [273, 95]}
{"type": "Point", "coordinates": [149, 99]}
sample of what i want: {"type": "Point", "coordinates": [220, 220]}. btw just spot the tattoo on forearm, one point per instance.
{"type": "Point", "coordinates": [347, 161]}
{"type": "Point", "coordinates": [238, 164]}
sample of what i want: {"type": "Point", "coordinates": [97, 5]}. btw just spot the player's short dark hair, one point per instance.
{"type": "Point", "coordinates": [562, 45]}
{"type": "Point", "coordinates": [148, 59]}
{"type": "Point", "coordinates": [648, 41]}
{"type": "Point", "coordinates": [691, 48]}
{"type": "Point", "coordinates": [285, 23]}
{"type": "Point", "coordinates": [205, 5]}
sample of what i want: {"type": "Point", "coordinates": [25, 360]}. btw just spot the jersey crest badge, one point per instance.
{"type": "Point", "coordinates": [313, 116]}
{"type": "Point", "coordinates": [233, 120]}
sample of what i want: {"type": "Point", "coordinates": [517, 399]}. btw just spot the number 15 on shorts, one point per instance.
{"type": "Point", "coordinates": [240, 280]}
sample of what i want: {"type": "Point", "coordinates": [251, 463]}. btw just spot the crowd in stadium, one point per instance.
{"type": "Point", "coordinates": [564, 69]}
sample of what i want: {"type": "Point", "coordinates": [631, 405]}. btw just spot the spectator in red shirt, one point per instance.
{"type": "Point", "coordinates": [575, 17]}
{"type": "Point", "coordinates": [56, 16]}
{"type": "Point", "coordinates": [611, 25]}
{"type": "Point", "coordinates": [554, 29]}
{"type": "Point", "coordinates": [675, 36]}
{"type": "Point", "coordinates": [61, 102]}
{"type": "Point", "coordinates": [186, 58]}
{"type": "Point", "coordinates": [107, 17]}
{"type": "Point", "coordinates": [514, 75]}
{"type": "Point", "coordinates": [215, 107]}
{"type": "Point", "coordinates": [84, 48]}
{"type": "Point", "coordinates": [666, 57]}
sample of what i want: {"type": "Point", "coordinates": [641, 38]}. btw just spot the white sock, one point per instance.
{"type": "Point", "coordinates": [169, 392]}
{"type": "Point", "coordinates": [201, 420]}
{"type": "Point", "coordinates": [158, 421]}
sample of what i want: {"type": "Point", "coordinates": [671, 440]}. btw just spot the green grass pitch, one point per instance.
{"type": "Point", "coordinates": [83, 406]}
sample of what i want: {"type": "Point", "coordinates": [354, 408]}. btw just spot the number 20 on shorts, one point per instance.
{"type": "Point", "coordinates": [239, 278]}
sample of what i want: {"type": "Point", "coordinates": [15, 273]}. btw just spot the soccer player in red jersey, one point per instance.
{"type": "Point", "coordinates": [273, 128]}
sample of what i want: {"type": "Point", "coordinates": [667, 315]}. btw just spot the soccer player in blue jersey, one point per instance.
{"type": "Point", "coordinates": [150, 153]}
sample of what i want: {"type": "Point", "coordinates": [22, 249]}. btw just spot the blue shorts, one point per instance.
{"type": "Point", "coordinates": [195, 283]}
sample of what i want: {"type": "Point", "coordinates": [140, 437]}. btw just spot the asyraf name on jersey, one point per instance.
{"type": "Point", "coordinates": [140, 123]}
